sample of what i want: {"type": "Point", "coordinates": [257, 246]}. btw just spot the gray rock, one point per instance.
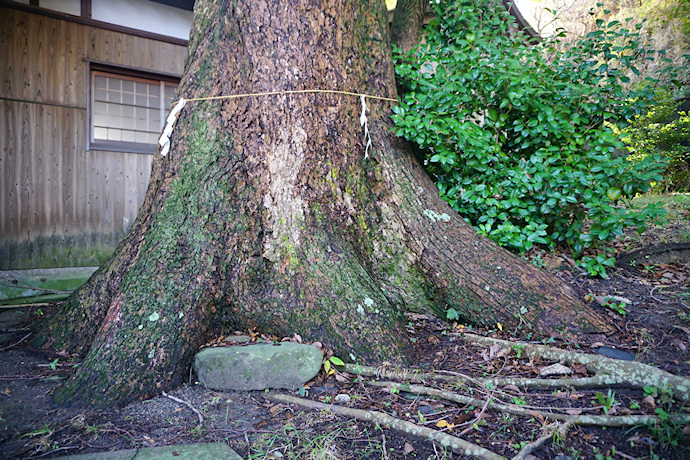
{"type": "Point", "coordinates": [342, 399]}
{"type": "Point", "coordinates": [615, 354]}
{"type": "Point", "coordinates": [256, 367]}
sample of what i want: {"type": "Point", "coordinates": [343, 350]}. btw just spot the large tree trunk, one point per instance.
{"type": "Point", "coordinates": [408, 19]}
{"type": "Point", "coordinates": [268, 213]}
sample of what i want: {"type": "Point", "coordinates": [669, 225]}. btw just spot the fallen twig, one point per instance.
{"type": "Point", "coordinates": [562, 430]}
{"type": "Point", "coordinates": [478, 417]}
{"type": "Point", "coordinates": [181, 401]}
{"type": "Point", "coordinates": [15, 344]}
{"type": "Point", "coordinates": [456, 444]}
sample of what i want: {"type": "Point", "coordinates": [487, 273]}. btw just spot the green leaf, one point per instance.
{"type": "Point", "coordinates": [613, 193]}
{"type": "Point", "coordinates": [337, 361]}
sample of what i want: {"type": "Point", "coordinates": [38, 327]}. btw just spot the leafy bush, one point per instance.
{"type": "Point", "coordinates": [519, 136]}
{"type": "Point", "coordinates": [663, 131]}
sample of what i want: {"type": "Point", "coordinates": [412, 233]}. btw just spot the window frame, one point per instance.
{"type": "Point", "coordinates": [131, 74]}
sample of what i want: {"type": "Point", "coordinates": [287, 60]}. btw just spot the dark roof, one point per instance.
{"type": "Point", "coordinates": [183, 4]}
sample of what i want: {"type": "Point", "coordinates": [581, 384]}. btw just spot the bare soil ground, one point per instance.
{"type": "Point", "coordinates": [655, 329]}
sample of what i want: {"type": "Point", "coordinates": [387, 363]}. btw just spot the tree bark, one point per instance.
{"type": "Point", "coordinates": [268, 213]}
{"type": "Point", "coordinates": [408, 19]}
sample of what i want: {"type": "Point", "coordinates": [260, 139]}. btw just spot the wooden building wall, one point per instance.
{"type": "Point", "coordinates": [57, 199]}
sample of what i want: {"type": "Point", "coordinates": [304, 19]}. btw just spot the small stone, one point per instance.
{"type": "Point", "coordinates": [342, 399]}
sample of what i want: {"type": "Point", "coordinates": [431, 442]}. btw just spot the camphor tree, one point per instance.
{"type": "Point", "coordinates": [270, 211]}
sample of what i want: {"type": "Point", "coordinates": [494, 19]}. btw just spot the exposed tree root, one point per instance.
{"type": "Point", "coordinates": [514, 409]}
{"type": "Point", "coordinates": [398, 373]}
{"type": "Point", "coordinates": [454, 443]}
{"type": "Point", "coordinates": [608, 372]}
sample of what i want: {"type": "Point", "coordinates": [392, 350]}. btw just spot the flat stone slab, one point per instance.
{"type": "Point", "coordinates": [201, 451]}
{"type": "Point", "coordinates": [16, 285]}
{"type": "Point", "coordinates": [258, 366]}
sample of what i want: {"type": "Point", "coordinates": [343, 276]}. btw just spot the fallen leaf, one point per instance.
{"type": "Point", "coordinates": [573, 411]}
{"type": "Point", "coordinates": [7, 391]}
{"type": "Point", "coordinates": [274, 409]}
{"type": "Point", "coordinates": [536, 415]}
{"type": "Point", "coordinates": [555, 369]}
{"type": "Point", "coordinates": [680, 345]}
{"type": "Point", "coordinates": [408, 448]}
{"type": "Point", "coordinates": [500, 326]}
{"type": "Point", "coordinates": [618, 298]}
{"type": "Point", "coordinates": [552, 263]}
{"type": "Point", "coordinates": [443, 423]}
{"type": "Point", "coordinates": [579, 369]}
{"type": "Point", "coordinates": [503, 352]}
{"type": "Point", "coordinates": [649, 400]}
{"type": "Point", "coordinates": [493, 349]}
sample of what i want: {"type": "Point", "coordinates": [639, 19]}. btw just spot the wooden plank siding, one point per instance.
{"type": "Point", "coordinates": [53, 188]}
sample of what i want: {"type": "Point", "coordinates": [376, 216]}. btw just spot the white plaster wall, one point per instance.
{"type": "Point", "coordinates": [143, 15]}
{"type": "Point", "coordinates": [72, 7]}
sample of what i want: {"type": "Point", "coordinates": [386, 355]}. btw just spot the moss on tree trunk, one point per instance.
{"type": "Point", "coordinates": [267, 213]}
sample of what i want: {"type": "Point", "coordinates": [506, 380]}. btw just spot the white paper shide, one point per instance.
{"type": "Point", "coordinates": [164, 141]}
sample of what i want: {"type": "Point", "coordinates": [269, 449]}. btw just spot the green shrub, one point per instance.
{"type": "Point", "coordinates": [519, 137]}
{"type": "Point", "coordinates": [663, 131]}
